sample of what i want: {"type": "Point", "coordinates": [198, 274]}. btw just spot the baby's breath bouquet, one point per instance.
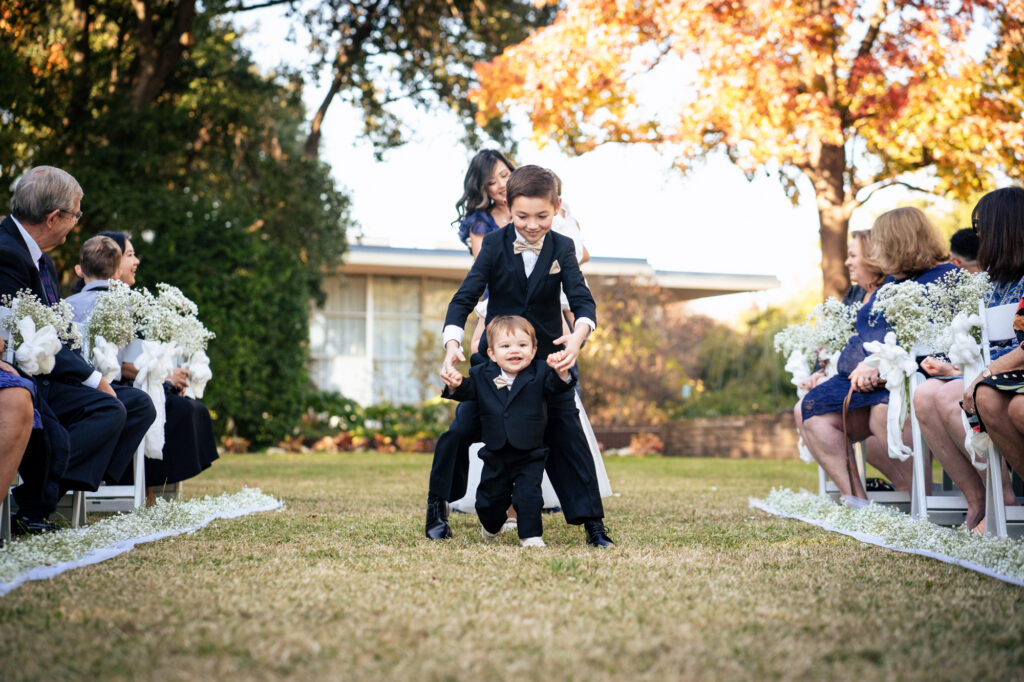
{"type": "Point", "coordinates": [957, 292]}
{"type": "Point", "coordinates": [832, 324]}
{"type": "Point", "coordinates": [797, 337]}
{"type": "Point", "coordinates": [111, 326]}
{"type": "Point", "coordinates": [170, 317]}
{"type": "Point", "coordinates": [908, 310]}
{"type": "Point", "coordinates": [37, 331]}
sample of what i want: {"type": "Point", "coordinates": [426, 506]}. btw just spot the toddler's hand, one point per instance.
{"type": "Point", "coordinates": [556, 358]}
{"type": "Point", "coordinates": [451, 379]}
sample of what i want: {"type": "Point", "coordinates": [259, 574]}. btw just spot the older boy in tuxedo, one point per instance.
{"type": "Point", "coordinates": [525, 267]}
{"type": "Point", "coordinates": [510, 391]}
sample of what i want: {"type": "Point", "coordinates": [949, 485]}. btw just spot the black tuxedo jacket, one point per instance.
{"type": "Point", "coordinates": [17, 272]}
{"type": "Point", "coordinates": [516, 416]}
{"type": "Point", "coordinates": [501, 272]}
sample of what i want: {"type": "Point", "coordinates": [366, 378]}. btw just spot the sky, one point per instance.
{"type": "Point", "coordinates": [628, 200]}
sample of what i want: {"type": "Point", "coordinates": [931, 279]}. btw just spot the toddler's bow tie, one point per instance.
{"type": "Point", "coordinates": [502, 382]}
{"type": "Point", "coordinates": [518, 246]}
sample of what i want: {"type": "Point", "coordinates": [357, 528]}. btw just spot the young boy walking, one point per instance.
{"type": "Point", "coordinates": [510, 391]}
{"type": "Point", "coordinates": [524, 267]}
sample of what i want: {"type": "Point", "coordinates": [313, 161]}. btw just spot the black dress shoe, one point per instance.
{"type": "Point", "coordinates": [437, 519]}
{"type": "Point", "coordinates": [597, 536]}
{"type": "Point", "coordinates": [23, 525]}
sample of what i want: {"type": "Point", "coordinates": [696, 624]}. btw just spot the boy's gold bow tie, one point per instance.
{"type": "Point", "coordinates": [518, 246]}
{"type": "Point", "coordinates": [502, 382]}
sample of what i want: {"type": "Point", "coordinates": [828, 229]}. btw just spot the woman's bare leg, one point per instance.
{"type": "Point", "coordinates": [15, 431]}
{"type": "Point", "coordinates": [1003, 415]}
{"type": "Point", "coordinates": [824, 437]}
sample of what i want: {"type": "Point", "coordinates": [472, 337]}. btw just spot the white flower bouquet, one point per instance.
{"type": "Point", "coordinates": [38, 331]}
{"type": "Point", "coordinates": [110, 327]}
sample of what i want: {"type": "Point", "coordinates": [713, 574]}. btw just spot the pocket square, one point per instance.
{"type": "Point", "coordinates": [555, 268]}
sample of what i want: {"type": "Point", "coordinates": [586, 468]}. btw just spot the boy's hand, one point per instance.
{"type": "Point", "coordinates": [553, 361]}
{"type": "Point", "coordinates": [572, 342]}
{"type": "Point", "coordinates": [452, 355]}
{"type": "Point", "coordinates": [451, 380]}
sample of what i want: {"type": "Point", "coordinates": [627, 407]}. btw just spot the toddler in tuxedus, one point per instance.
{"type": "Point", "coordinates": [511, 394]}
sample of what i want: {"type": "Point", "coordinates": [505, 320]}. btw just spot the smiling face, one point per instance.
{"type": "Point", "coordinates": [129, 264]}
{"type": "Point", "coordinates": [495, 186]}
{"type": "Point", "coordinates": [860, 273]}
{"type": "Point", "coordinates": [512, 350]}
{"type": "Point", "coordinates": [532, 216]}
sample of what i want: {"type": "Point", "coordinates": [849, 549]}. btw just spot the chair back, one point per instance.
{"type": "Point", "coordinates": [997, 326]}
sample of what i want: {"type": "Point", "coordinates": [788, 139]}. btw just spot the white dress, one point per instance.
{"type": "Point", "coordinates": [567, 226]}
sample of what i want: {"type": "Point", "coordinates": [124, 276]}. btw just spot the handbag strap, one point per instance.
{"type": "Point", "coordinates": [851, 463]}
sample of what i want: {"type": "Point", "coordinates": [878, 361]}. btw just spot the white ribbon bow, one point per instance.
{"type": "Point", "coordinates": [964, 351]}
{"type": "Point", "coordinates": [894, 366]}
{"type": "Point", "coordinates": [104, 358]}
{"type": "Point", "coordinates": [38, 350]}
{"type": "Point", "coordinates": [831, 363]}
{"type": "Point", "coordinates": [797, 366]}
{"type": "Point", "coordinates": [155, 364]}
{"type": "Point", "coordinates": [199, 374]}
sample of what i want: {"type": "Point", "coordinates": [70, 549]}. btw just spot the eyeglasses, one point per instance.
{"type": "Point", "coordinates": [77, 214]}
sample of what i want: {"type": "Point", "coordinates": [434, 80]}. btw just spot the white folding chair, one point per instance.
{"type": "Point", "coordinates": [931, 502]}
{"type": "Point", "coordinates": [112, 498]}
{"type": "Point", "coordinates": [997, 325]}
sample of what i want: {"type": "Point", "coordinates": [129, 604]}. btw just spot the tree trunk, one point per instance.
{"type": "Point", "coordinates": [827, 176]}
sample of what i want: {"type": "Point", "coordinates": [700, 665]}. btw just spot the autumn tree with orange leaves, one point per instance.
{"type": "Point", "coordinates": [854, 95]}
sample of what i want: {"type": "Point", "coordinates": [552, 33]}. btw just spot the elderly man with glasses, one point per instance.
{"type": "Point", "coordinates": [103, 427]}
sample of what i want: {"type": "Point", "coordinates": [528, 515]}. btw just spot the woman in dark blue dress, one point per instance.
{"type": "Point", "coordinates": [482, 208]}
{"type": "Point", "coordinates": [905, 245]}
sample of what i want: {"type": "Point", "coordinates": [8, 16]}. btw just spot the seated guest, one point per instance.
{"type": "Point", "coordinates": [190, 445]}
{"type": "Point", "coordinates": [963, 250]}
{"type": "Point", "coordinates": [999, 220]}
{"type": "Point", "coordinates": [866, 278]}
{"type": "Point", "coordinates": [99, 261]}
{"type": "Point", "coordinates": [906, 246]}
{"type": "Point", "coordinates": [103, 431]}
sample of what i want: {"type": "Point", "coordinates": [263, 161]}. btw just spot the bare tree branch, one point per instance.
{"type": "Point", "coordinates": [261, 5]}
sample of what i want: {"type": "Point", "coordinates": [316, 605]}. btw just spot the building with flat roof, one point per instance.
{"type": "Point", "coordinates": [385, 301]}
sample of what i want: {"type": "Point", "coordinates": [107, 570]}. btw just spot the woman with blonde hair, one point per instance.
{"type": "Point", "coordinates": [904, 245]}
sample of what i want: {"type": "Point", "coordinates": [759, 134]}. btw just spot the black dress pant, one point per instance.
{"type": "Point", "coordinates": [140, 414]}
{"type": "Point", "coordinates": [570, 464]}
{"type": "Point", "coordinates": [512, 476]}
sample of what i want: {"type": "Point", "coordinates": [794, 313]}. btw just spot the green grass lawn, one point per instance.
{"type": "Point", "coordinates": [343, 585]}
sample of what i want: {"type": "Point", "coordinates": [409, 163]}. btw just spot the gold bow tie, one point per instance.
{"type": "Point", "coordinates": [501, 382]}
{"type": "Point", "coordinates": [518, 246]}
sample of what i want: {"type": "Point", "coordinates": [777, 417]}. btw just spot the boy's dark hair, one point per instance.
{"type": "Point", "coordinates": [510, 323]}
{"type": "Point", "coordinates": [531, 181]}
{"type": "Point", "coordinates": [100, 257]}
{"type": "Point", "coordinates": [964, 243]}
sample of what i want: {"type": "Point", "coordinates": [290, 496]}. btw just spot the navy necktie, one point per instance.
{"type": "Point", "coordinates": [49, 287]}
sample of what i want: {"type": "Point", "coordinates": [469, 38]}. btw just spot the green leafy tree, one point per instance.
{"type": "Point", "coordinates": [209, 177]}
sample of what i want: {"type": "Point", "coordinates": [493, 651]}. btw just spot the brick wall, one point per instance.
{"type": "Point", "coordinates": [760, 436]}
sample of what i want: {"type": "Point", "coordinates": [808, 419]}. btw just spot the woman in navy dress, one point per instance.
{"type": "Point", "coordinates": [905, 245]}
{"type": "Point", "coordinates": [482, 208]}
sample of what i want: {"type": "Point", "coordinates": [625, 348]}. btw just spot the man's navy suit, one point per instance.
{"type": "Point", "coordinates": [512, 422]}
{"type": "Point", "coordinates": [103, 432]}
{"type": "Point", "coordinates": [498, 269]}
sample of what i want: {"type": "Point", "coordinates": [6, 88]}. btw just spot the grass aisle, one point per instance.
{"type": "Point", "coordinates": [342, 585]}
